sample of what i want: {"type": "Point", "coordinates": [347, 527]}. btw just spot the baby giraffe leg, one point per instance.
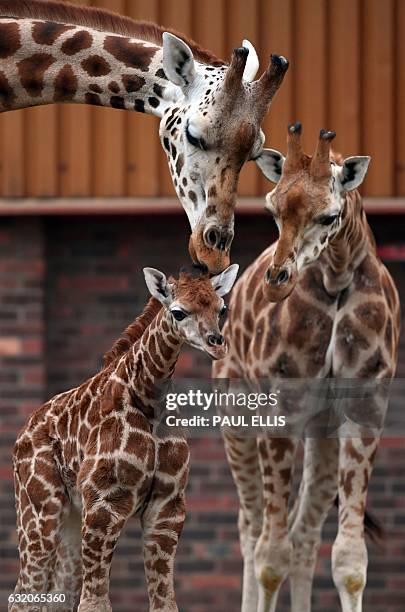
{"type": "Point", "coordinates": [67, 575]}
{"type": "Point", "coordinates": [162, 523]}
{"type": "Point", "coordinates": [318, 490]}
{"type": "Point", "coordinates": [41, 504]}
{"type": "Point", "coordinates": [349, 552]}
{"type": "Point", "coordinates": [273, 549]}
{"type": "Point", "coordinates": [104, 516]}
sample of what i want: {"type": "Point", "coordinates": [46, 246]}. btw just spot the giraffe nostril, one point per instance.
{"type": "Point", "coordinates": [279, 279]}
{"type": "Point", "coordinates": [211, 238]}
{"type": "Point", "coordinates": [229, 240]}
{"type": "Point", "coordinates": [282, 277]}
{"type": "Point", "coordinates": [215, 340]}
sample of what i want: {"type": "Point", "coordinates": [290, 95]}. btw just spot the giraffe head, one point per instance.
{"type": "Point", "coordinates": [307, 204]}
{"type": "Point", "coordinates": [209, 129]}
{"type": "Point", "coordinates": [194, 304]}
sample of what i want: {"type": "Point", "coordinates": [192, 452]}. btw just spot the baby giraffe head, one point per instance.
{"type": "Point", "coordinates": [194, 303]}
{"type": "Point", "coordinates": [308, 204]}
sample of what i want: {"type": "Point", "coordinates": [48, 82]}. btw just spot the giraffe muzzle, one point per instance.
{"type": "Point", "coordinates": [217, 346]}
{"type": "Point", "coordinates": [215, 258]}
{"type": "Point", "coordinates": [279, 282]}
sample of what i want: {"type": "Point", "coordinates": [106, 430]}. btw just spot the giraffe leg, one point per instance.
{"type": "Point", "coordinates": [42, 505]}
{"type": "Point", "coordinates": [104, 516]}
{"type": "Point", "coordinates": [67, 576]}
{"type": "Point", "coordinates": [243, 459]}
{"type": "Point", "coordinates": [318, 491]}
{"type": "Point", "coordinates": [273, 548]}
{"type": "Point", "coordinates": [349, 552]}
{"type": "Point", "coordinates": [244, 463]}
{"type": "Point", "coordinates": [162, 523]}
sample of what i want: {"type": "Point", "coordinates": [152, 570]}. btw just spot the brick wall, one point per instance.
{"type": "Point", "coordinates": [68, 286]}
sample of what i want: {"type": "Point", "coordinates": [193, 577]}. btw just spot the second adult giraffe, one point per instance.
{"type": "Point", "coordinates": [210, 112]}
{"type": "Point", "coordinates": [318, 303]}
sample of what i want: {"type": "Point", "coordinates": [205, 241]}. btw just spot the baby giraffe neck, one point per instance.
{"type": "Point", "coordinates": [150, 362]}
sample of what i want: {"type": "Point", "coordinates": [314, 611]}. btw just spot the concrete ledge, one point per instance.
{"type": "Point", "coordinates": [151, 206]}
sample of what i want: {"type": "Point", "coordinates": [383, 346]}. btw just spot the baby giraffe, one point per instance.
{"type": "Point", "coordinates": [95, 455]}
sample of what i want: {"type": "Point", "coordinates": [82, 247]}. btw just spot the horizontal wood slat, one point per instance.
{"type": "Point", "coordinates": [347, 73]}
{"type": "Point", "coordinates": [150, 206]}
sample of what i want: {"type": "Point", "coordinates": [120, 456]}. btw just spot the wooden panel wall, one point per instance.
{"type": "Point", "coordinates": [347, 73]}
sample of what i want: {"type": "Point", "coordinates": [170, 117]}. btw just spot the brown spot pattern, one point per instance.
{"type": "Point", "coordinates": [346, 481]}
{"type": "Point", "coordinates": [179, 163]}
{"type": "Point", "coordinates": [96, 66]}
{"type": "Point", "coordinates": [114, 87]}
{"type": "Point", "coordinates": [7, 95]}
{"type": "Point", "coordinates": [65, 85]}
{"type": "Point", "coordinates": [133, 82]}
{"type": "Point", "coordinates": [78, 42]}
{"type": "Point", "coordinates": [32, 71]}
{"type": "Point", "coordinates": [48, 32]}
{"type": "Point", "coordinates": [92, 98]}
{"type": "Point", "coordinates": [349, 340]}
{"type": "Point", "coordinates": [371, 314]}
{"type": "Point", "coordinates": [132, 54]}
{"type": "Point", "coordinates": [10, 40]}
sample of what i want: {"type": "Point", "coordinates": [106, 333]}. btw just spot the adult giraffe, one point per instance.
{"type": "Point", "coordinates": [318, 303]}
{"type": "Point", "coordinates": [210, 112]}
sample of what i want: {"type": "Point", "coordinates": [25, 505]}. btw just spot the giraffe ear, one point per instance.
{"type": "Point", "coordinates": [224, 282]}
{"type": "Point", "coordinates": [157, 284]}
{"type": "Point", "coordinates": [271, 163]}
{"type": "Point", "coordinates": [353, 171]}
{"type": "Point", "coordinates": [178, 60]}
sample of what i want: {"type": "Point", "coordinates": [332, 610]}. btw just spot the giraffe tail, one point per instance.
{"type": "Point", "coordinates": [372, 526]}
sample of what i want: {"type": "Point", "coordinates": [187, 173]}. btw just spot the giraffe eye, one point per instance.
{"type": "Point", "coordinates": [196, 142]}
{"type": "Point", "coordinates": [178, 314]}
{"type": "Point", "coordinates": [223, 310]}
{"type": "Point", "coordinates": [327, 219]}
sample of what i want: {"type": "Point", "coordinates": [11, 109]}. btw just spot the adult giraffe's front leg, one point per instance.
{"type": "Point", "coordinates": [244, 463]}
{"type": "Point", "coordinates": [243, 459]}
{"type": "Point", "coordinates": [349, 552]}
{"type": "Point", "coordinates": [317, 492]}
{"type": "Point", "coordinates": [273, 549]}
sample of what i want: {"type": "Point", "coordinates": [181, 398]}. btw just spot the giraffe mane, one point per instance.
{"type": "Point", "coordinates": [99, 19]}
{"type": "Point", "coordinates": [133, 332]}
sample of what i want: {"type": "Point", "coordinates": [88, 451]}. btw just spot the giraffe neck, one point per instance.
{"type": "Point", "coordinates": [44, 62]}
{"type": "Point", "coordinates": [151, 361]}
{"type": "Point", "coordinates": [347, 250]}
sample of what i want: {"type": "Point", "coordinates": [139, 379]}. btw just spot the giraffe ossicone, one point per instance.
{"type": "Point", "coordinates": [318, 303]}
{"type": "Point", "coordinates": [210, 113]}
{"type": "Point", "coordinates": [92, 457]}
